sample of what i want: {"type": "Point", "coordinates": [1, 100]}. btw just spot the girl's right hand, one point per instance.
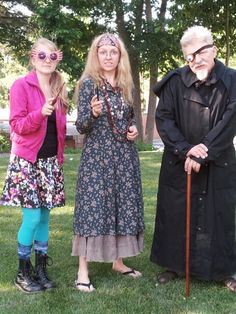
{"type": "Point", "coordinates": [96, 106]}
{"type": "Point", "coordinates": [47, 108]}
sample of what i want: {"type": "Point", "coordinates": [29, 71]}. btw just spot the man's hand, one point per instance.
{"type": "Point", "coordinates": [198, 151]}
{"type": "Point", "coordinates": [190, 165]}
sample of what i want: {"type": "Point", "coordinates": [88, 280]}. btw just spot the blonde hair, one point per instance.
{"type": "Point", "coordinates": [123, 72]}
{"type": "Point", "coordinates": [194, 33]}
{"type": "Point", "coordinates": [56, 80]}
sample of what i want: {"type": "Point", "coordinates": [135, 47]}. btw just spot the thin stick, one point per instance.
{"type": "Point", "coordinates": [55, 98]}
{"type": "Point", "coordinates": [188, 208]}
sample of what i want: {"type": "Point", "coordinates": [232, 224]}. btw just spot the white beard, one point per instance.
{"type": "Point", "coordinates": [202, 74]}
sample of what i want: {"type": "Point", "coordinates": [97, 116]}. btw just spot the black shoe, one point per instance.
{"type": "Point", "coordinates": [41, 276]}
{"type": "Point", "coordinates": [230, 283]}
{"type": "Point", "coordinates": [167, 276]}
{"type": "Point", "coordinates": [24, 280]}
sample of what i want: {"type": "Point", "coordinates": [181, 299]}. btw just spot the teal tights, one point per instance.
{"type": "Point", "coordinates": [35, 226]}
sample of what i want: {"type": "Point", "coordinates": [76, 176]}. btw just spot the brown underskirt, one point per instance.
{"type": "Point", "coordinates": [107, 248]}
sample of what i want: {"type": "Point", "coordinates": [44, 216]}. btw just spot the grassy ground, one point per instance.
{"type": "Point", "coordinates": [115, 293]}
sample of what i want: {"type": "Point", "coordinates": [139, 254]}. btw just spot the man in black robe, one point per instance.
{"type": "Point", "coordinates": [196, 119]}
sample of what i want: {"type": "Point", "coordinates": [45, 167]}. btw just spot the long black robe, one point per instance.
{"type": "Point", "coordinates": [190, 113]}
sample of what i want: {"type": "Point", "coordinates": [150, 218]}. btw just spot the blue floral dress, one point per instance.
{"type": "Point", "coordinates": [108, 215]}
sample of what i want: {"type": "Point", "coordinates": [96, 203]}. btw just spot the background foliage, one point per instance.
{"type": "Point", "coordinates": [150, 29]}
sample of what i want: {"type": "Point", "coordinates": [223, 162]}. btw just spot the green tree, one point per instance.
{"type": "Point", "coordinates": [10, 69]}
{"type": "Point", "coordinates": [218, 15]}
{"type": "Point", "coordinates": [73, 24]}
{"type": "Point", "coordinates": [15, 28]}
{"type": "Point", "coordinates": [150, 34]}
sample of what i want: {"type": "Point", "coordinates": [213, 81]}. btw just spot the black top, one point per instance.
{"type": "Point", "coordinates": [49, 147]}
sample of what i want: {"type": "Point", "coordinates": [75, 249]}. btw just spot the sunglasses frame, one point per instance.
{"type": "Point", "coordinates": [36, 54]}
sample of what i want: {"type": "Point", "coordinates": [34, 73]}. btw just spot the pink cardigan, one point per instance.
{"type": "Point", "coordinates": [28, 125]}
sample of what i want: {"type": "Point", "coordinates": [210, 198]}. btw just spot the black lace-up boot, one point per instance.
{"type": "Point", "coordinates": [41, 276]}
{"type": "Point", "coordinates": [24, 279]}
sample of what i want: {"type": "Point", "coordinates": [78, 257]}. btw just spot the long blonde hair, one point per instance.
{"type": "Point", "coordinates": [123, 73]}
{"type": "Point", "coordinates": [56, 79]}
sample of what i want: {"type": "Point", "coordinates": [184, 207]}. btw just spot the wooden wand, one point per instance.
{"type": "Point", "coordinates": [188, 211]}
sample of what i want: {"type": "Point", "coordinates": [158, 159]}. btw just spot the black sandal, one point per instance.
{"type": "Point", "coordinates": [87, 285]}
{"type": "Point", "coordinates": [132, 273]}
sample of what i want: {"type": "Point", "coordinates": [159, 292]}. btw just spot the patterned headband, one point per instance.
{"type": "Point", "coordinates": [108, 39]}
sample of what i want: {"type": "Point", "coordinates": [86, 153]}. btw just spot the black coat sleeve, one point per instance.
{"type": "Point", "coordinates": [221, 136]}
{"type": "Point", "coordinates": [166, 124]}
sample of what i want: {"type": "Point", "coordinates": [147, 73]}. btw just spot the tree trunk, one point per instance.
{"type": "Point", "coordinates": [134, 58]}
{"type": "Point", "coordinates": [150, 121]}
{"type": "Point", "coordinates": [137, 97]}
{"type": "Point", "coordinates": [227, 33]}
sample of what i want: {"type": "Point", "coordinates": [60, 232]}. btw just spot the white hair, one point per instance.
{"type": "Point", "coordinates": [194, 33]}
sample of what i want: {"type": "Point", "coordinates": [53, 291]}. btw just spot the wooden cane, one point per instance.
{"type": "Point", "coordinates": [188, 206]}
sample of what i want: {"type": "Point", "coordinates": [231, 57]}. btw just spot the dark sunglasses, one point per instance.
{"type": "Point", "coordinates": [190, 57]}
{"type": "Point", "coordinates": [42, 55]}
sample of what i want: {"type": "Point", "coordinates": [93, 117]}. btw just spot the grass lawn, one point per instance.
{"type": "Point", "coordinates": [115, 293]}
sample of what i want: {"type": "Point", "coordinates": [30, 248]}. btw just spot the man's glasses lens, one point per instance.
{"type": "Point", "coordinates": [191, 57]}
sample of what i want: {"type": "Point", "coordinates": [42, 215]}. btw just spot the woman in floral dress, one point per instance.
{"type": "Point", "coordinates": [108, 216]}
{"type": "Point", "coordinates": [35, 181]}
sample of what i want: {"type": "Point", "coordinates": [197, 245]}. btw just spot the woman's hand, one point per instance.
{"type": "Point", "coordinates": [47, 108]}
{"type": "Point", "coordinates": [132, 133]}
{"type": "Point", "coordinates": [96, 106]}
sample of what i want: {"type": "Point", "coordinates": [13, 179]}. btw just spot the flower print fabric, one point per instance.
{"type": "Point", "coordinates": [109, 193]}
{"type": "Point", "coordinates": [34, 185]}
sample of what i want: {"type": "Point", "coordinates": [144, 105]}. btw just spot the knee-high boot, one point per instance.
{"type": "Point", "coordinates": [41, 263]}
{"type": "Point", "coordinates": [24, 279]}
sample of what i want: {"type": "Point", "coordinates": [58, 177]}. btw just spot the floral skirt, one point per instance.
{"type": "Point", "coordinates": [107, 248]}
{"type": "Point", "coordinates": [34, 185]}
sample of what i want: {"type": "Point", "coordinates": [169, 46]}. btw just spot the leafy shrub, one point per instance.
{"type": "Point", "coordinates": [141, 146]}
{"type": "Point", "coordinates": [5, 143]}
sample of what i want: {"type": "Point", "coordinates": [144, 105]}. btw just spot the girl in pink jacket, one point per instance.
{"type": "Point", "coordinates": [35, 181]}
